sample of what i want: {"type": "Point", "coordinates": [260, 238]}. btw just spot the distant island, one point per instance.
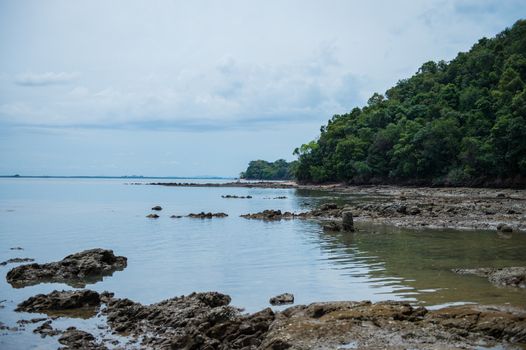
{"type": "Point", "coordinates": [453, 123]}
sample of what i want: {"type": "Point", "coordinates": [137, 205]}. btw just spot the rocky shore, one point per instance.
{"type": "Point", "coordinates": [433, 207]}
{"type": "Point", "coordinates": [208, 321]}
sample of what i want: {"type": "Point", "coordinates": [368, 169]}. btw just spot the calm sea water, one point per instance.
{"type": "Point", "coordinates": [247, 259]}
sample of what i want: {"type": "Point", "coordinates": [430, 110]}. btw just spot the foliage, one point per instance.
{"type": "Point", "coordinates": [458, 122]}
{"type": "Point", "coordinates": [263, 170]}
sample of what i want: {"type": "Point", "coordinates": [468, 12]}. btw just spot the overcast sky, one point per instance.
{"type": "Point", "coordinates": [202, 87]}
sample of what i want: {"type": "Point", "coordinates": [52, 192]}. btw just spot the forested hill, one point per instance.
{"type": "Point", "coordinates": [263, 170]}
{"type": "Point", "coordinates": [462, 122]}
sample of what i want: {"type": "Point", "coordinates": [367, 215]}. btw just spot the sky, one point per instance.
{"type": "Point", "coordinates": [196, 88]}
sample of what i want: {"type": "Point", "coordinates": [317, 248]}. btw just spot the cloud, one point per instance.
{"type": "Point", "coordinates": [45, 79]}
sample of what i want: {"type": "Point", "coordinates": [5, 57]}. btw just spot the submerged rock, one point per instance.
{"type": "Point", "coordinates": [75, 270]}
{"type": "Point", "coordinates": [504, 277]}
{"type": "Point", "coordinates": [230, 196]}
{"type": "Point", "coordinates": [61, 301]}
{"type": "Point", "coordinates": [176, 216]}
{"type": "Point", "coordinates": [73, 338]}
{"type": "Point", "coordinates": [285, 298]}
{"type": "Point", "coordinates": [504, 228]}
{"type": "Point", "coordinates": [203, 215]}
{"type": "Point", "coordinates": [16, 260]}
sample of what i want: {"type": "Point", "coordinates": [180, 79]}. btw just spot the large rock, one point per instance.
{"type": "Point", "coordinates": [347, 221]}
{"type": "Point", "coordinates": [75, 270]}
{"type": "Point", "coordinates": [196, 321]}
{"type": "Point", "coordinates": [74, 338]}
{"type": "Point", "coordinates": [60, 301]}
{"type": "Point", "coordinates": [504, 277]}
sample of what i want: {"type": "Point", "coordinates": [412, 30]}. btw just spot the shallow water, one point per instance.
{"type": "Point", "coordinates": [249, 260]}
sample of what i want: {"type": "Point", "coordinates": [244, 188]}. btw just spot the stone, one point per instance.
{"type": "Point", "coordinates": [285, 298]}
{"type": "Point", "coordinates": [77, 269]}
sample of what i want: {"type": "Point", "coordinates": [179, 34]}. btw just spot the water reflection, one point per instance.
{"type": "Point", "coordinates": [416, 264]}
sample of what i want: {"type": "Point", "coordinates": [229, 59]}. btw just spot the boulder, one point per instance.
{"type": "Point", "coordinates": [157, 208]}
{"type": "Point", "coordinates": [347, 221]}
{"type": "Point", "coordinates": [285, 298]}
{"type": "Point", "coordinates": [76, 270]}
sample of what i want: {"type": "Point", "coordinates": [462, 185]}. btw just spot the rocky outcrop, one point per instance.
{"type": "Point", "coordinates": [196, 321]}
{"type": "Point", "coordinates": [61, 301]}
{"type": "Point", "coordinates": [16, 260]}
{"type": "Point", "coordinates": [207, 321]}
{"type": "Point", "coordinates": [504, 277]}
{"type": "Point", "coordinates": [73, 338]}
{"type": "Point", "coordinates": [203, 215]}
{"type": "Point", "coordinates": [76, 270]}
{"type": "Point", "coordinates": [392, 325]}
{"type": "Point", "coordinates": [282, 299]}
{"type": "Point", "coordinates": [272, 215]}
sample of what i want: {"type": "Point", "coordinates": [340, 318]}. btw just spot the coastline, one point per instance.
{"type": "Point", "coordinates": [412, 207]}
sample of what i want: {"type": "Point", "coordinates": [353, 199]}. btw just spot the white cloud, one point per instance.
{"type": "Point", "coordinates": [44, 79]}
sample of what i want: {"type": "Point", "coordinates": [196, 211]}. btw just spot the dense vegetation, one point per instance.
{"type": "Point", "coordinates": [263, 170]}
{"type": "Point", "coordinates": [462, 122]}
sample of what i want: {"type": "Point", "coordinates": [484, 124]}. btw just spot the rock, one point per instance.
{"type": "Point", "coordinates": [16, 248]}
{"type": "Point", "coordinates": [203, 215]}
{"type": "Point", "coordinates": [332, 226]}
{"type": "Point", "coordinates": [285, 298]}
{"type": "Point", "coordinates": [414, 211]}
{"type": "Point", "coordinates": [157, 207]}
{"type": "Point", "coordinates": [280, 197]}
{"type": "Point", "coordinates": [504, 228]}
{"type": "Point", "coordinates": [152, 216]}
{"type": "Point", "coordinates": [329, 206]}
{"type": "Point", "coordinates": [60, 301]}
{"type": "Point", "coordinates": [347, 221]}
{"type": "Point", "coordinates": [196, 321]}
{"type": "Point", "coordinates": [501, 195]}
{"type": "Point", "coordinates": [77, 339]}
{"type": "Point", "coordinates": [504, 277]}
{"type": "Point", "coordinates": [229, 196]}
{"type": "Point", "coordinates": [75, 270]}
{"type": "Point", "coordinates": [176, 216]}
{"type": "Point", "coordinates": [274, 215]}
{"type": "Point", "coordinates": [16, 260]}
{"type": "Point", "coordinates": [46, 330]}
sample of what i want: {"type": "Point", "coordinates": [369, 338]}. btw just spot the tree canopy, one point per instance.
{"type": "Point", "coordinates": [457, 122]}
{"type": "Point", "coordinates": [263, 170]}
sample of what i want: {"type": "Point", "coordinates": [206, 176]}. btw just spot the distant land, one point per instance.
{"type": "Point", "coordinates": [115, 177]}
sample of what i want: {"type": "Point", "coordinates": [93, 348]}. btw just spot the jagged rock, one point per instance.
{"type": "Point", "coordinates": [203, 215]}
{"type": "Point", "coordinates": [196, 321]}
{"type": "Point", "coordinates": [45, 330]}
{"type": "Point", "coordinates": [60, 301]}
{"type": "Point", "coordinates": [506, 276]}
{"type": "Point", "coordinates": [75, 270]}
{"type": "Point", "coordinates": [285, 298]}
{"type": "Point", "coordinates": [73, 338]}
{"type": "Point", "coordinates": [16, 260]}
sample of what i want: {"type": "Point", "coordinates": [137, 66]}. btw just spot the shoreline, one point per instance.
{"type": "Point", "coordinates": [462, 208]}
